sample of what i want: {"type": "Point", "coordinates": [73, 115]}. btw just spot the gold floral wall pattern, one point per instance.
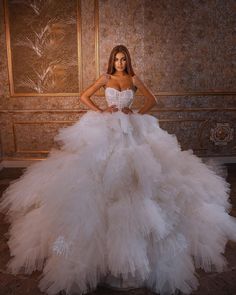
{"type": "Point", "coordinates": [183, 50]}
{"type": "Point", "coordinates": [43, 46]}
{"type": "Point", "coordinates": [178, 47]}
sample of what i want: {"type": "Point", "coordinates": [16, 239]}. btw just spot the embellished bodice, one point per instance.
{"type": "Point", "coordinates": [121, 99]}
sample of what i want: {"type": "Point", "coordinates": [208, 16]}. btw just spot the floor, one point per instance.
{"type": "Point", "coordinates": [210, 283]}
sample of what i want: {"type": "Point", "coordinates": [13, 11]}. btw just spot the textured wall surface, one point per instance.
{"type": "Point", "coordinates": [183, 50]}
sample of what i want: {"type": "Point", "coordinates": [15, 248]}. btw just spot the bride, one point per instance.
{"type": "Point", "coordinates": [119, 203]}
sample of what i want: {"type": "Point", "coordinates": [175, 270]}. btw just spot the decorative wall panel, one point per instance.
{"type": "Point", "coordinates": [36, 137]}
{"type": "Point", "coordinates": [43, 39]}
{"type": "Point", "coordinates": [206, 132]}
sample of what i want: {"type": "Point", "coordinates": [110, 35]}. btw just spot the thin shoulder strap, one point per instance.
{"type": "Point", "coordinates": [133, 79]}
{"type": "Point", "coordinates": [107, 77]}
{"type": "Point", "coordinates": [133, 82]}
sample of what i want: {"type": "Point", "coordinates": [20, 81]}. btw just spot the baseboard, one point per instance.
{"type": "Point", "coordinates": [25, 163]}
{"type": "Point", "coordinates": [222, 160]}
{"type": "Point", "coordinates": [17, 163]}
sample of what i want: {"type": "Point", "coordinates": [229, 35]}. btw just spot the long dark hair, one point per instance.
{"type": "Point", "coordinates": [120, 48]}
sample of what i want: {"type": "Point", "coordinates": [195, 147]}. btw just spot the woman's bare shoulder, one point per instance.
{"type": "Point", "coordinates": [102, 80]}
{"type": "Point", "coordinates": [104, 77]}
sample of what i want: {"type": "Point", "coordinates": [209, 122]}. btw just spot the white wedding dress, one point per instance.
{"type": "Point", "coordinates": [119, 200]}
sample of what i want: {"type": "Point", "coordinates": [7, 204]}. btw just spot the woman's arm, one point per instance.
{"type": "Point", "coordinates": [150, 100]}
{"type": "Point", "coordinates": [85, 95]}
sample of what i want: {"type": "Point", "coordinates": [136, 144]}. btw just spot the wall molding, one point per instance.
{"type": "Point", "coordinates": [14, 124]}
{"type": "Point", "coordinates": [154, 109]}
{"type": "Point", "coordinates": [17, 163]}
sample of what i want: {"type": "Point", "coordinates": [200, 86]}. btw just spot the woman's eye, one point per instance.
{"type": "Point", "coordinates": [123, 59]}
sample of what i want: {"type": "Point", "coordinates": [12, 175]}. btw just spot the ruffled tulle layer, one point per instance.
{"type": "Point", "coordinates": [119, 198]}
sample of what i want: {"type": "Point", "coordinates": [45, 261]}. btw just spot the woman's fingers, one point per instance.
{"type": "Point", "coordinates": [127, 110]}
{"type": "Point", "coordinates": [113, 108]}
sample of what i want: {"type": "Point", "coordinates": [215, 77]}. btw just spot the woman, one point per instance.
{"type": "Point", "coordinates": [120, 203]}
{"type": "Point", "coordinates": [121, 78]}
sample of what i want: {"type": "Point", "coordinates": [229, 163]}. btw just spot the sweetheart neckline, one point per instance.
{"type": "Point", "coordinates": [119, 90]}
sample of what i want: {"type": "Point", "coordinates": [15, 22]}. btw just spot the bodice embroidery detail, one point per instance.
{"type": "Point", "coordinates": [121, 99]}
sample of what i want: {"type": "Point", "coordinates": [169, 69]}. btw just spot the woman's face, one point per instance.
{"type": "Point", "coordinates": [120, 62]}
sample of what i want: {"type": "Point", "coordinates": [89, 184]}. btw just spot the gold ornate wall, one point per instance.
{"type": "Point", "coordinates": [183, 50]}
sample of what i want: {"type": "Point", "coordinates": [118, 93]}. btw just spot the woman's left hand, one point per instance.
{"type": "Point", "coordinates": [127, 110]}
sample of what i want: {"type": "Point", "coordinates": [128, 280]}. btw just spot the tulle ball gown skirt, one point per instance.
{"type": "Point", "coordinates": [119, 199]}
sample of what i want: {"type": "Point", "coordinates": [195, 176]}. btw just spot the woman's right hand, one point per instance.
{"type": "Point", "coordinates": [111, 109]}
